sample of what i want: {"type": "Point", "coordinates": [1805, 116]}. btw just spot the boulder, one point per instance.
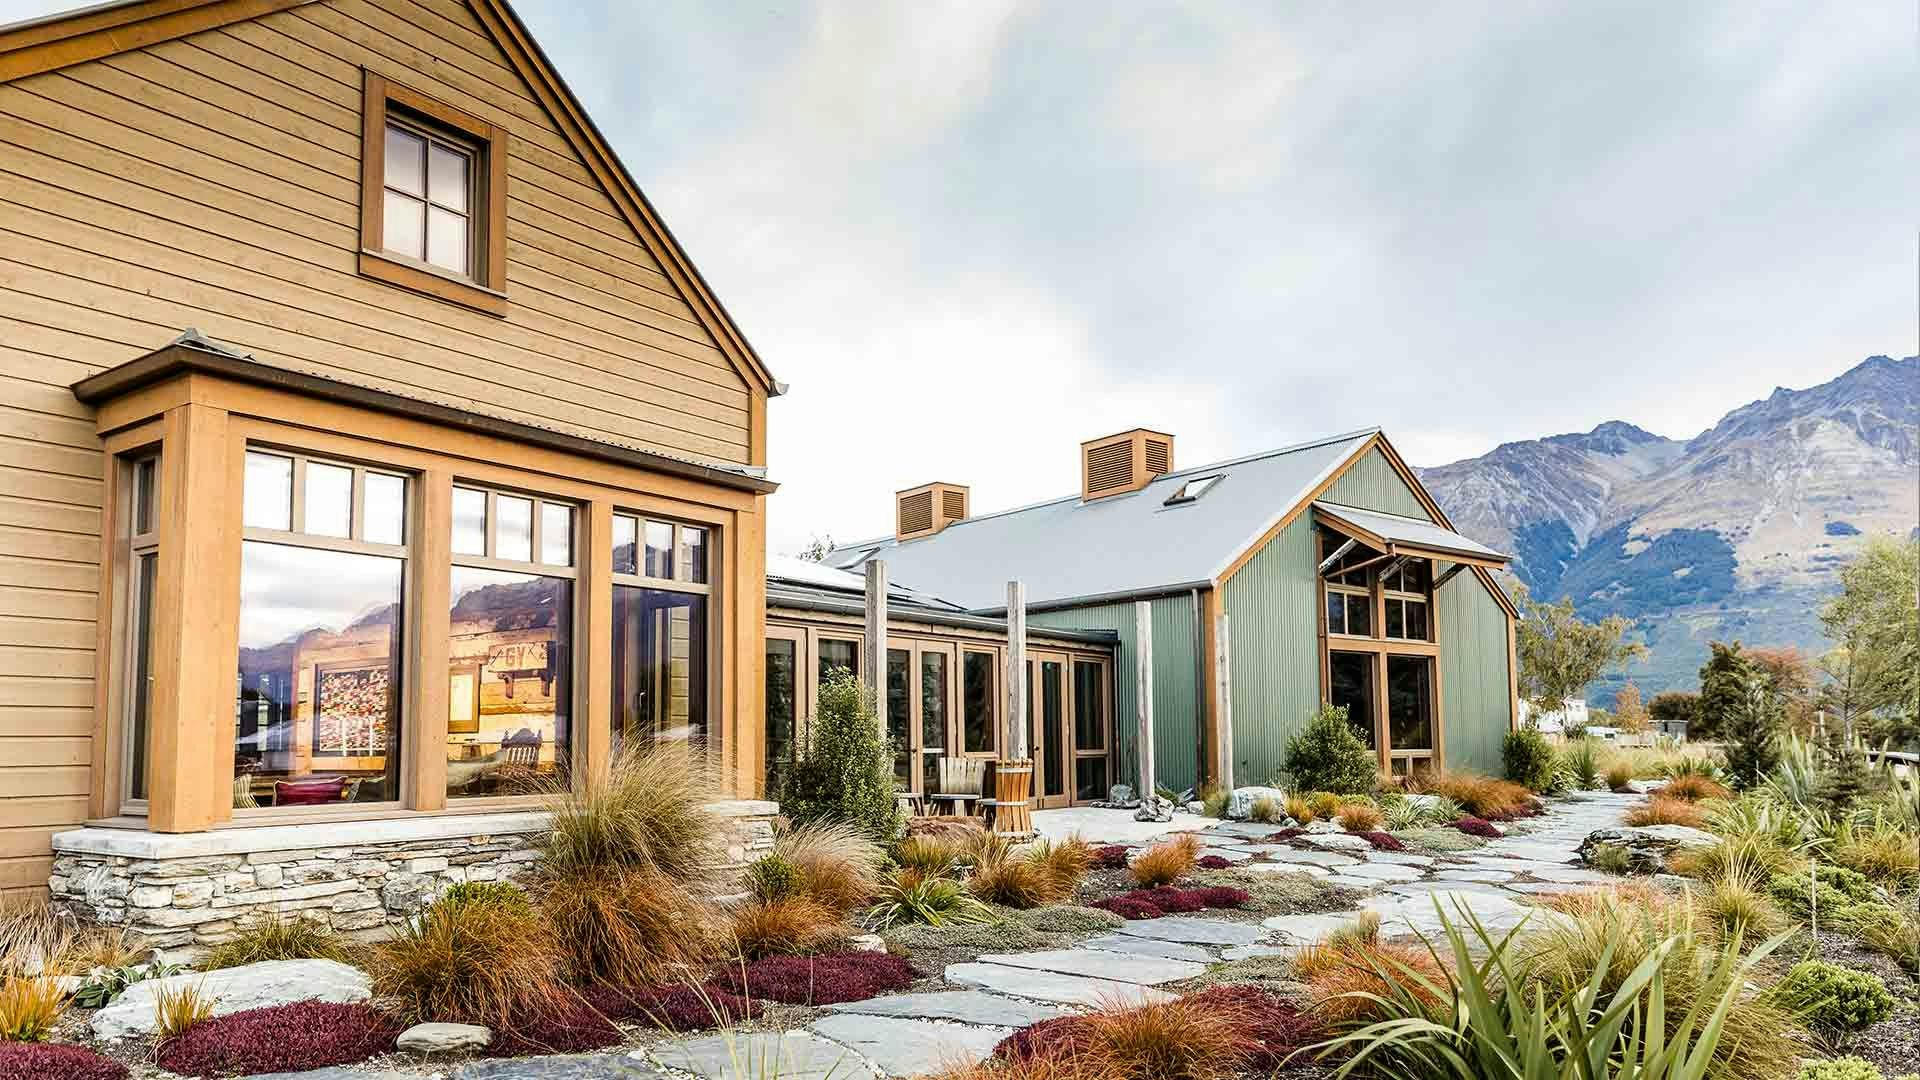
{"type": "Point", "coordinates": [1648, 846]}
{"type": "Point", "coordinates": [444, 1038]}
{"type": "Point", "coordinates": [1195, 806]}
{"type": "Point", "coordinates": [1645, 787]}
{"type": "Point", "coordinates": [1324, 825]}
{"type": "Point", "coordinates": [867, 943]}
{"type": "Point", "coordinates": [1154, 808]}
{"type": "Point", "coordinates": [232, 990]}
{"type": "Point", "coordinates": [1240, 803]}
{"type": "Point", "coordinates": [1120, 793]}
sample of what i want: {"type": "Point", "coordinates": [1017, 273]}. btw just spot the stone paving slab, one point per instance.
{"type": "Point", "coordinates": [1095, 964]}
{"type": "Point", "coordinates": [789, 1055]}
{"type": "Point", "coordinates": [1231, 854]}
{"type": "Point", "coordinates": [963, 1006]}
{"type": "Point", "coordinates": [1382, 872]}
{"type": "Point", "coordinates": [1248, 952]}
{"type": "Point", "coordinates": [1571, 874]}
{"type": "Point", "coordinates": [1487, 876]}
{"type": "Point", "coordinates": [1314, 858]}
{"type": "Point", "coordinates": [1286, 868]}
{"type": "Point", "coordinates": [1338, 841]}
{"type": "Point", "coordinates": [1246, 830]}
{"type": "Point", "coordinates": [908, 1047]}
{"type": "Point", "coordinates": [1400, 858]}
{"type": "Point", "coordinates": [1353, 881]}
{"type": "Point", "coordinates": [1307, 929]}
{"type": "Point", "coordinates": [1192, 931]}
{"type": "Point", "coordinates": [566, 1067]}
{"type": "Point", "coordinates": [1052, 986]}
{"type": "Point", "coordinates": [1142, 946]}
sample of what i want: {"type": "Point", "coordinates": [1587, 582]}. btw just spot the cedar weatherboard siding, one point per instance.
{"type": "Point", "coordinates": [214, 181]}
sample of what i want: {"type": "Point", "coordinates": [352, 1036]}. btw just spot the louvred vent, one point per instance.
{"type": "Point", "coordinates": [953, 504]}
{"type": "Point", "coordinates": [1159, 456]}
{"type": "Point", "coordinates": [916, 513]}
{"type": "Point", "coordinates": [1109, 468]}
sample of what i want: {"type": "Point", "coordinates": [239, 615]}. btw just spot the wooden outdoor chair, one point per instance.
{"type": "Point", "coordinates": [961, 780]}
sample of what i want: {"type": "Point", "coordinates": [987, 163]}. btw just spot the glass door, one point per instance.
{"type": "Point", "coordinates": [1409, 713]}
{"type": "Point", "coordinates": [1047, 733]}
{"type": "Point", "coordinates": [785, 652]}
{"type": "Point", "coordinates": [898, 702]}
{"type": "Point", "coordinates": [1091, 724]}
{"type": "Point", "coordinates": [938, 737]}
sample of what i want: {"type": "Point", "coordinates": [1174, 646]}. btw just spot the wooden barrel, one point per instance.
{"type": "Point", "coordinates": [1012, 793]}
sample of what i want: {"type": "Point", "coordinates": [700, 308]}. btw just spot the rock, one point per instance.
{"type": "Point", "coordinates": [1338, 841]}
{"type": "Point", "coordinates": [406, 893]}
{"type": "Point", "coordinates": [1648, 846]}
{"type": "Point", "coordinates": [1378, 872]}
{"type": "Point", "coordinates": [1120, 793]}
{"type": "Point", "coordinates": [250, 986]}
{"type": "Point", "coordinates": [1052, 986]}
{"type": "Point", "coordinates": [555, 1067]}
{"type": "Point", "coordinates": [909, 1047]}
{"type": "Point", "coordinates": [867, 943]}
{"type": "Point", "coordinates": [444, 1038]}
{"type": "Point", "coordinates": [1299, 856]}
{"type": "Point", "coordinates": [1322, 825]}
{"type": "Point", "coordinates": [1094, 964]}
{"type": "Point", "coordinates": [1154, 808]}
{"type": "Point", "coordinates": [789, 1055]}
{"type": "Point", "coordinates": [1192, 931]}
{"type": "Point", "coordinates": [343, 1072]}
{"type": "Point", "coordinates": [961, 1006]}
{"type": "Point", "coordinates": [1645, 787]}
{"type": "Point", "coordinates": [1240, 803]}
{"type": "Point", "coordinates": [1308, 929]}
{"type": "Point", "coordinates": [1194, 806]}
{"type": "Point", "coordinates": [1140, 946]}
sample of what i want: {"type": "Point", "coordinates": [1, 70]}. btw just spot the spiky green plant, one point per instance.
{"type": "Point", "coordinates": [911, 897]}
{"type": "Point", "coordinates": [1497, 1024]}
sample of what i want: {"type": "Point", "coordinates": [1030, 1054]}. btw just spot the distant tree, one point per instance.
{"type": "Point", "coordinates": [1629, 713]}
{"type": "Point", "coordinates": [1722, 682]}
{"type": "Point", "coordinates": [1560, 653]}
{"type": "Point", "coordinates": [1874, 669]}
{"type": "Point", "coordinates": [1674, 707]}
{"type": "Point", "coordinates": [817, 548]}
{"type": "Point", "coordinates": [1791, 676]}
{"type": "Point", "coordinates": [1751, 727]}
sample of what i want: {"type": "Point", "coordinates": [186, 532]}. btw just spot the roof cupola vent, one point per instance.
{"type": "Point", "coordinates": [1125, 462]}
{"type": "Point", "coordinates": [925, 510]}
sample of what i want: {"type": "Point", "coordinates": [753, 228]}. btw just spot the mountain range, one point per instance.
{"type": "Point", "coordinates": [1736, 533]}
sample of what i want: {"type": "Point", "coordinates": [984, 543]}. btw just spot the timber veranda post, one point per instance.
{"type": "Point", "coordinates": [1013, 772]}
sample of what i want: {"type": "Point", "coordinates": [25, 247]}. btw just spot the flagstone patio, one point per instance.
{"type": "Point", "coordinates": [994, 995]}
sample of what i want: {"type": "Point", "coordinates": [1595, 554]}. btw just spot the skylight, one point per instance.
{"type": "Point", "coordinates": [1194, 488]}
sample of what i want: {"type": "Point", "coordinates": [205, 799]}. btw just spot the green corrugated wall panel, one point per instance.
{"type": "Point", "coordinates": [1176, 727]}
{"type": "Point", "coordinates": [1373, 484]}
{"type": "Point", "coordinates": [1272, 638]}
{"type": "Point", "coordinates": [1474, 689]}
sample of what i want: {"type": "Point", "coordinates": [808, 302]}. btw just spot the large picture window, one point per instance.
{"type": "Point", "coordinates": [318, 716]}
{"type": "Point", "coordinates": [510, 648]}
{"type": "Point", "coordinates": [661, 642]}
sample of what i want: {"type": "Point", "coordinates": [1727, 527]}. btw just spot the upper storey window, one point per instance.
{"type": "Point", "coordinates": [429, 197]}
{"type": "Point", "coordinates": [433, 212]}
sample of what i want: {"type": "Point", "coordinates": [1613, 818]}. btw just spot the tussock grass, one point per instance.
{"type": "Point", "coordinates": [1359, 817]}
{"type": "Point", "coordinates": [1299, 809]}
{"type": "Point", "coordinates": [1042, 873]}
{"type": "Point", "coordinates": [632, 926]}
{"type": "Point", "coordinates": [1167, 861]}
{"type": "Point", "coordinates": [178, 1007]}
{"type": "Point", "coordinates": [1481, 796]}
{"type": "Point", "coordinates": [1661, 810]}
{"type": "Point", "coordinates": [29, 1007]}
{"type": "Point", "coordinates": [796, 924]}
{"type": "Point", "coordinates": [471, 962]}
{"type": "Point", "coordinates": [839, 865]}
{"type": "Point", "coordinates": [271, 936]}
{"type": "Point", "coordinates": [649, 811]}
{"type": "Point", "coordinates": [1693, 787]}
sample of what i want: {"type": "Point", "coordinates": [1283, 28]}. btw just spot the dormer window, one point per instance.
{"type": "Point", "coordinates": [1194, 488]}
{"type": "Point", "coordinates": [433, 210]}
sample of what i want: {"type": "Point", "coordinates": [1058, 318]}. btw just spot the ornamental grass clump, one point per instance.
{"type": "Point", "coordinates": [271, 936]}
{"type": "Point", "coordinates": [178, 1007]}
{"type": "Point", "coordinates": [1494, 1021]}
{"type": "Point", "coordinates": [280, 1039]}
{"type": "Point", "coordinates": [1736, 911]}
{"type": "Point", "coordinates": [42, 1061]}
{"type": "Point", "coordinates": [1299, 809]}
{"type": "Point", "coordinates": [1044, 872]}
{"type": "Point", "coordinates": [631, 926]}
{"type": "Point", "coordinates": [1662, 810]}
{"type": "Point", "coordinates": [1694, 787]}
{"type": "Point", "coordinates": [471, 960]}
{"type": "Point", "coordinates": [838, 864]}
{"type": "Point", "coordinates": [1359, 817]}
{"type": "Point", "coordinates": [1480, 796]}
{"type": "Point", "coordinates": [1167, 861]}
{"type": "Point", "coordinates": [29, 1007]}
{"type": "Point", "coordinates": [935, 856]}
{"type": "Point", "coordinates": [912, 896]}
{"type": "Point", "coordinates": [1220, 1032]}
{"type": "Point", "coordinates": [792, 924]}
{"type": "Point", "coordinates": [1618, 776]}
{"type": "Point", "coordinates": [1266, 810]}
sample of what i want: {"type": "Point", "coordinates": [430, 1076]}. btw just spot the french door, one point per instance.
{"type": "Point", "coordinates": [1050, 729]}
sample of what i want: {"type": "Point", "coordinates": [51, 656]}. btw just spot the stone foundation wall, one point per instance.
{"type": "Point", "coordinates": [182, 892]}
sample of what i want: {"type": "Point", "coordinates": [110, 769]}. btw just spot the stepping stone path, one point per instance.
{"type": "Point", "coordinates": [989, 998]}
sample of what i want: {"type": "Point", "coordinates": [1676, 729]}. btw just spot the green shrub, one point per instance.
{"type": "Point", "coordinates": [1611, 859]}
{"type": "Point", "coordinates": [1846, 1068]}
{"type": "Point", "coordinates": [911, 897]}
{"type": "Point", "coordinates": [845, 773]}
{"type": "Point", "coordinates": [1529, 760]}
{"type": "Point", "coordinates": [1326, 755]}
{"type": "Point", "coordinates": [1832, 999]}
{"type": "Point", "coordinates": [502, 894]}
{"type": "Point", "coordinates": [771, 877]}
{"type": "Point", "coordinates": [1583, 760]}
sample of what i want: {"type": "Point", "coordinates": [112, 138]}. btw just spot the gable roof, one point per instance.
{"type": "Point", "coordinates": [1070, 550]}
{"type": "Point", "coordinates": [1387, 532]}
{"type": "Point", "coordinates": [61, 40]}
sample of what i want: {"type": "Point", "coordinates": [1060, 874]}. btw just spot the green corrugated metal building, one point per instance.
{"type": "Point", "coordinates": [1331, 574]}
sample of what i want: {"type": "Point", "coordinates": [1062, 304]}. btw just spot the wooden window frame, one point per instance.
{"type": "Point", "coordinates": [407, 720]}
{"type": "Point", "coordinates": [483, 290]}
{"type": "Point", "coordinates": [717, 623]}
{"type": "Point", "coordinates": [1378, 647]}
{"type": "Point", "coordinates": [133, 544]}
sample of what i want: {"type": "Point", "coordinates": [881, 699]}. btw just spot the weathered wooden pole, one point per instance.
{"type": "Point", "coordinates": [1016, 744]}
{"type": "Point", "coordinates": [873, 654]}
{"type": "Point", "coordinates": [1143, 692]}
{"type": "Point", "coordinates": [1223, 693]}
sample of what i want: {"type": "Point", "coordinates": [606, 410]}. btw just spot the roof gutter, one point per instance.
{"type": "Point", "coordinates": [778, 601]}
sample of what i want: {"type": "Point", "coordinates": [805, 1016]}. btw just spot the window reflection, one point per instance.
{"type": "Point", "coordinates": [267, 499]}
{"type": "Point", "coordinates": [900, 714]}
{"type": "Point", "coordinates": [469, 521]}
{"type": "Point", "coordinates": [976, 675]}
{"type": "Point", "coordinates": [659, 665]}
{"type": "Point", "coordinates": [509, 695]}
{"type": "Point", "coordinates": [319, 677]}
{"type": "Point", "coordinates": [783, 668]}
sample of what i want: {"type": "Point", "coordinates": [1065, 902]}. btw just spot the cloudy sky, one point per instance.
{"type": "Point", "coordinates": [970, 234]}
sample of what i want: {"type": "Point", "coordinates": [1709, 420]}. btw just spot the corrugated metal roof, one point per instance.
{"type": "Point", "coordinates": [1406, 530]}
{"type": "Point", "coordinates": [1122, 545]}
{"type": "Point", "coordinates": [806, 574]}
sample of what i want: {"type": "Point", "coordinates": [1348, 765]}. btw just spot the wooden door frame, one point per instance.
{"type": "Point", "coordinates": [1036, 726]}
{"type": "Point", "coordinates": [802, 710]}
{"type": "Point", "coordinates": [1104, 665]}
{"type": "Point", "coordinates": [917, 695]}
